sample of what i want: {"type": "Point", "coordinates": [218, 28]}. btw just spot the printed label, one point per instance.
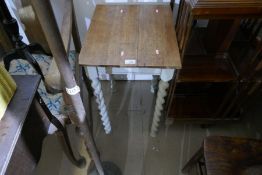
{"type": "Point", "coordinates": [130, 61]}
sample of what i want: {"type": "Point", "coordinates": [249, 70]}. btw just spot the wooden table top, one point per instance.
{"type": "Point", "coordinates": [131, 35]}
{"type": "Point", "coordinates": [14, 117]}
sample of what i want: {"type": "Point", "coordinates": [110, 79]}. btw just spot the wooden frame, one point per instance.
{"type": "Point", "coordinates": [227, 15]}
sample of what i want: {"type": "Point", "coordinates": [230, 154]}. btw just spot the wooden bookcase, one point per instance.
{"type": "Point", "coordinates": [220, 46]}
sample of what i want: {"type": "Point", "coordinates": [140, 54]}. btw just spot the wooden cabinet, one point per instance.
{"type": "Point", "coordinates": [22, 129]}
{"type": "Point", "coordinates": [220, 43]}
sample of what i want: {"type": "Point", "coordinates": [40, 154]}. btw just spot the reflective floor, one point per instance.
{"type": "Point", "coordinates": [129, 145]}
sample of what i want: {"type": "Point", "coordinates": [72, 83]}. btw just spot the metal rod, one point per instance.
{"type": "Point", "coordinates": [47, 20]}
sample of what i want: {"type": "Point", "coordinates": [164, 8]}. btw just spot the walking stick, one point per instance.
{"type": "Point", "coordinates": [47, 20]}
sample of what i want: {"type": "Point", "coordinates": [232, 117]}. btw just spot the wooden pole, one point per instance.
{"type": "Point", "coordinates": [75, 34]}
{"type": "Point", "coordinates": [47, 20]}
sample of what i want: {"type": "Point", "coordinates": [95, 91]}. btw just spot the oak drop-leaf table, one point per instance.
{"type": "Point", "coordinates": [140, 38]}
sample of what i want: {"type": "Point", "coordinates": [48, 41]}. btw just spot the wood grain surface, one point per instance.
{"type": "Point", "coordinates": [66, 28]}
{"type": "Point", "coordinates": [12, 122]}
{"type": "Point", "coordinates": [206, 69]}
{"type": "Point", "coordinates": [144, 33]}
{"type": "Point", "coordinates": [224, 8]}
{"type": "Point", "coordinates": [230, 155]}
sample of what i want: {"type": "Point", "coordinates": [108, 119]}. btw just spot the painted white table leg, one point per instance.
{"type": "Point", "coordinates": [96, 85]}
{"type": "Point", "coordinates": [165, 76]}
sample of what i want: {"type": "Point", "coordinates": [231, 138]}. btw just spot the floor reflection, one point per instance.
{"type": "Point", "coordinates": [130, 107]}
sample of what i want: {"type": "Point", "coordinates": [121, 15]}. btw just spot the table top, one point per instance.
{"type": "Point", "coordinates": [14, 117]}
{"type": "Point", "coordinates": [131, 35]}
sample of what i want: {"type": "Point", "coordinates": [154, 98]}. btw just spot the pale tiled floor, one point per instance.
{"type": "Point", "coordinates": [136, 153]}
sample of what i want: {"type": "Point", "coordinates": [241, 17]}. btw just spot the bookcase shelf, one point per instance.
{"type": "Point", "coordinates": [220, 44]}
